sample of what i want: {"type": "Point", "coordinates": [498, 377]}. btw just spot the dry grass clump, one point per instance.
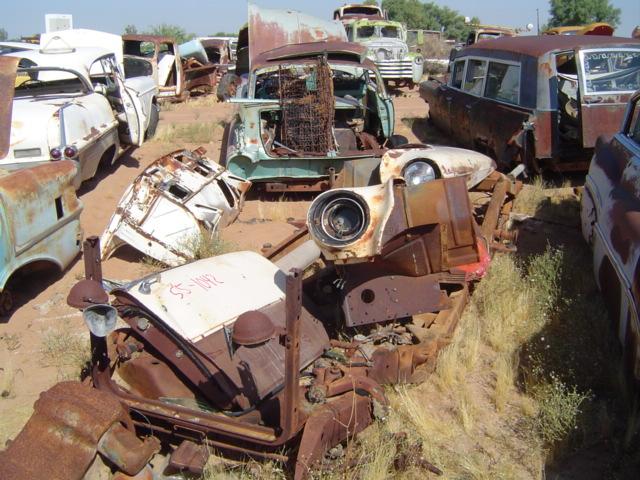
{"type": "Point", "coordinates": [67, 351]}
{"type": "Point", "coordinates": [278, 210]}
{"type": "Point", "coordinates": [188, 133]}
{"type": "Point", "coordinates": [473, 418]}
{"type": "Point", "coordinates": [207, 245]}
{"type": "Point", "coordinates": [558, 205]}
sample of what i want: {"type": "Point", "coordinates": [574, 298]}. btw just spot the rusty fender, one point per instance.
{"type": "Point", "coordinates": [70, 423]}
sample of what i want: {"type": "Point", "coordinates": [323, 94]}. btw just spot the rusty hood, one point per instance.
{"type": "Point", "coordinates": [274, 28]}
{"type": "Point", "coordinates": [8, 67]}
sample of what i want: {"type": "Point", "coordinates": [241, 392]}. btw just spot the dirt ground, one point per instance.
{"type": "Point", "coordinates": [33, 338]}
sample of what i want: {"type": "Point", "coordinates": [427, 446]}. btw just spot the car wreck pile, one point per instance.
{"type": "Point", "coordinates": [200, 365]}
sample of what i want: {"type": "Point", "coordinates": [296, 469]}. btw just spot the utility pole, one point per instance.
{"type": "Point", "coordinates": [538, 19]}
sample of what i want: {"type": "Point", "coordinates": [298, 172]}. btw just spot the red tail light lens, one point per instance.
{"type": "Point", "coordinates": [56, 153]}
{"type": "Point", "coordinates": [70, 151]}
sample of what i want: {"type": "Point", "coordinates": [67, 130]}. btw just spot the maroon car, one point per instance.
{"type": "Point", "coordinates": [542, 101]}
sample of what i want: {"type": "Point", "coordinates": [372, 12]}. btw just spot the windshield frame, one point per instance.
{"type": "Point", "coordinates": [87, 87]}
{"type": "Point", "coordinates": [583, 75]}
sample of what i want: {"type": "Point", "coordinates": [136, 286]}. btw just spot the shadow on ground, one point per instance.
{"type": "Point", "coordinates": [581, 349]}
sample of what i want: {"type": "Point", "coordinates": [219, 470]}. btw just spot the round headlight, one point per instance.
{"type": "Point", "coordinates": [418, 172]}
{"type": "Point", "coordinates": [418, 60]}
{"type": "Point", "coordinates": [338, 219]}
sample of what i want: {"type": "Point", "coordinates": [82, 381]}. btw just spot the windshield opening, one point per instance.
{"type": "Point", "coordinates": [608, 71]}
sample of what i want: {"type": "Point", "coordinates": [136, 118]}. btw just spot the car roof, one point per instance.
{"type": "Point", "coordinates": [79, 58]}
{"type": "Point", "coordinates": [134, 37]}
{"type": "Point", "coordinates": [536, 46]}
{"type": "Point", "coordinates": [22, 45]}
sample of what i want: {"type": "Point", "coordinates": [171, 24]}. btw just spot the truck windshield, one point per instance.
{"type": "Point", "coordinates": [607, 71]}
{"type": "Point", "coordinates": [371, 31]}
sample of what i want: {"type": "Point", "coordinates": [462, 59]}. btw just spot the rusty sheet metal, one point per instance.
{"type": "Point", "coordinates": [602, 117]}
{"type": "Point", "coordinates": [60, 439]}
{"type": "Point", "coordinates": [270, 28]}
{"type": "Point", "coordinates": [536, 46]}
{"type": "Point", "coordinates": [331, 424]}
{"type": "Point", "coordinates": [173, 206]}
{"type": "Point", "coordinates": [8, 67]}
{"type": "Point", "coordinates": [610, 220]}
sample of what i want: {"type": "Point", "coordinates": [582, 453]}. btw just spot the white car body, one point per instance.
{"type": "Point", "coordinates": [76, 98]}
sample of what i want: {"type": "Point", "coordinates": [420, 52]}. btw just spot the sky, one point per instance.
{"type": "Point", "coordinates": [207, 17]}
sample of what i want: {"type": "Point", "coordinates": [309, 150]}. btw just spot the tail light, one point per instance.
{"type": "Point", "coordinates": [56, 153]}
{"type": "Point", "coordinates": [70, 151]}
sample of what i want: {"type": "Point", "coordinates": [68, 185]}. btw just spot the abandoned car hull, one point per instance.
{"type": "Point", "coordinates": [541, 101]}
{"type": "Point", "coordinates": [180, 201]}
{"type": "Point", "coordinates": [610, 224]}
{"type": "Point", "coordinates": [40, 221]}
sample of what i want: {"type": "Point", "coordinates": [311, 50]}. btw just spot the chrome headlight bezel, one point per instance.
{"type": "Point", "coordinates": [327, 214]}
{"type": "Point", "coordinates": [418, 172]}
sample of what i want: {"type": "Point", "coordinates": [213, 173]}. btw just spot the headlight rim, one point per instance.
{"type": "Point", "coordinates": [317, 213]}
{"type": "Point", "coordinates": [426, 161]}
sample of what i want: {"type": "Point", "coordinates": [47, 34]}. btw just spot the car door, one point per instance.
{"type": "Point", "coordinates": [464, 100]}
{"type": "Point", "coordinates": [131, 106]}
{"type": "Point", "coordinates": [607, 78]}
{"type": "Point", "coordinates": [444, 106]}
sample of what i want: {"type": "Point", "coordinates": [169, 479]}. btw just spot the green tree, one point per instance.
{"type": "Point", "coordinates": [3, 35]}
{"type": "Point", "coordinates": [224, 34]}
{"type": "Point", "coordinates": [178, 33]}
{"type": "Point", "coordinates": [429, 16]}
{"type": "Point", "coordinates": [370, 2]}
{"type": "Point", "coordinates": [130, 29]}
{"type": "Point", "coordinates": [580, 12]}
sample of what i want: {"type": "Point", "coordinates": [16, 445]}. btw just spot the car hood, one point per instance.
{"type": "Point", "coordinates": [393, 43]}
{"type": "Point", "coordinates": [273, 28]}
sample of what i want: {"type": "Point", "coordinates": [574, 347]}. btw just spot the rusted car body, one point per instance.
{"type": "Point", "coordinates": [40, 223]}
{"type": "Point", "coordinates": [249, 364]}
{"type": "Point", "coordinates": [542, 101]}
{"type": "Point", "coordinates": [173, 206]}
{"type": "Point", "coordinates": [76, 105]}
{"type": "Point", "coordinates": [205, 61]}
{"type": "Point", "coordinates": [480, 33]}
{"type": "Point", "coordinates": [39, 210]}
{"type": "Point", "coordinates": [354, 11]}
{"type": "Point", "coordinates": [610, 214]}
{"type": "Point", "coordinates": [176, 77]}
{"type": "Point", "coordinates": [293, 134]}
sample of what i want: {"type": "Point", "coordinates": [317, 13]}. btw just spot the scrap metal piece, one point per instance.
{"type": "Point", "coordinates": [8, 67]}
{"type": "Point", "coordinates": [61, 437]}
{"type": "Point", "coordinates": [272, 28]}
{"type": "Point", "coordinates": [175, 203]}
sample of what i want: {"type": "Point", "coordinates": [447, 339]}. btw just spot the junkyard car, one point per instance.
{"type": "Point", "coordinates": [237, 353]}
{"type": "Point", "coordinates": [610, 214]}
{"type": "Point", "coordinates": [599, 28]}
{"type": "Point", "coordinates": [317, 115]}
{"type": "Point", "coordinates": [542, 101]}
{"type": "Point", "coordinates": [386, 43]}
{"type": "Point", "coordinates": [76, 105]}
{"type": "Point", "coordinates": [354, 11]}
{"type": "Point", "coordinates": [177, 202]}
{"type": "Point", "coordinates": [39, 210]}
{"type": "Point", "coordinates": [175, 76]}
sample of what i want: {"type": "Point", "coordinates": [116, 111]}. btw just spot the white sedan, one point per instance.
{"type": "Point", "coordinates": [76, 104]}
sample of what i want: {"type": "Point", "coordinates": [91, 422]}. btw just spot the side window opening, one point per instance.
{"type": "Point", "coordinates": [456, 77]}
{"type": "Point", "coordinates": [633, 131]}
{"type": "Point", "coordinates": [503, 82]}
{"type": "Point", "coordinates": [474, 79]}
{"type": "Point", "coordinates": [59, 208]}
